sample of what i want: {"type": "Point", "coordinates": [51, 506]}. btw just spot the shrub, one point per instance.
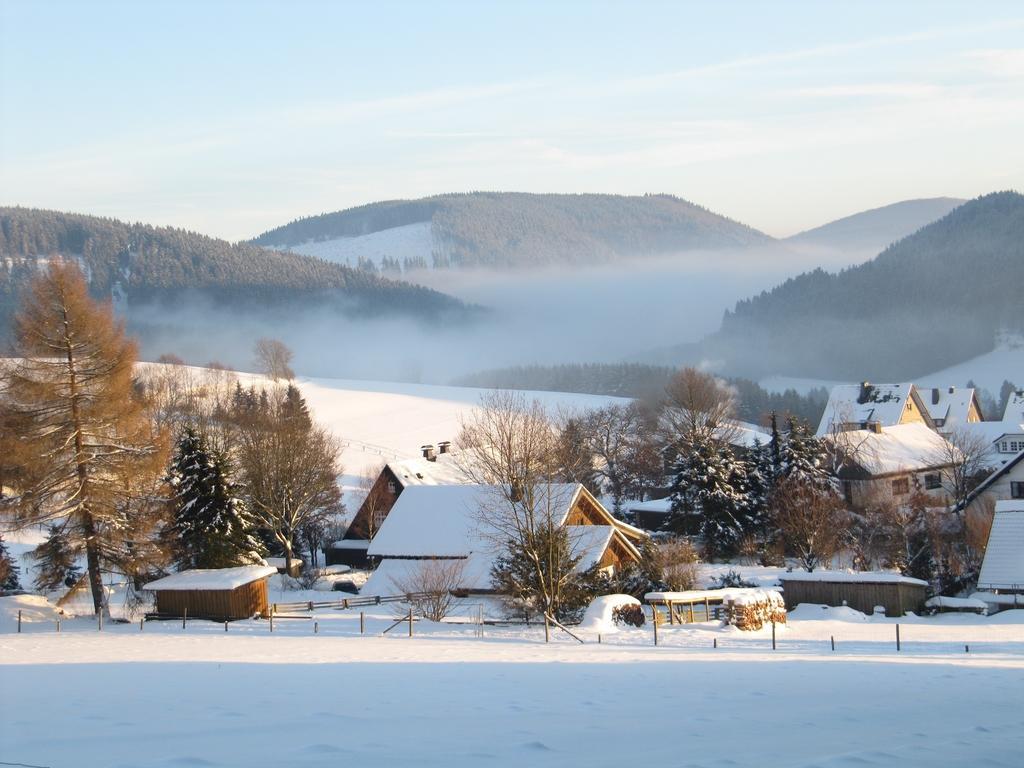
{"type": "Point", "coordinates": [632, 614]}
{"type": "Point", "coordinates": [677, 561]}
{"type": "Point", "coordinates": [732, 579]}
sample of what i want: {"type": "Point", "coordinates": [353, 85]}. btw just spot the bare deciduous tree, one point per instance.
{"type": "Point", "coordinates": [274, 359]}
{"type": "Point", "coordinates": [697, 409]}
{"type": "Point", "coordinates": [432, 584]}
{"type": "Point", "coordinates": [965, 461]}
{"type": "Point", "coordinates": [511, 445]}
{"type": "Point", "coordinates": [809, 520]}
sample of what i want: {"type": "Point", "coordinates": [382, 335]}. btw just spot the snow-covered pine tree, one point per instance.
{"type": "Point", "coordinates": [760, 481]}
{"type": "Point", "coordinates": [804, 459]}
{"type": "Point", "coordinates": [709, 497]}
{"type": "Point", "coordinates": [212, 527]}
{"type": "Point", "coordinates": [8, 570]}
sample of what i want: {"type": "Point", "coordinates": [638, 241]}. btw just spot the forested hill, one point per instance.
{"type": "Point", "coordinates": [137, 263]}
{"type": "Point", "coordinates": [519, 229]}
{"type": "Point", "coordinates": [928, 301]}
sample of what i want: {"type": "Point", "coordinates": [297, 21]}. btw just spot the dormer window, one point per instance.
{"type": "Point", "coordinates": [392, 488]}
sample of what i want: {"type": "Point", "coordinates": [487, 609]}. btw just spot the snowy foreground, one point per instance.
{"type": "Point", "coordinates": [198, 696]}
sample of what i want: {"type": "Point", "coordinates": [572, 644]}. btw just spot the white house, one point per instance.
{"type": "Point", "coordinates": [447, 524]}
{"type": "Point", "coordinates": [1005, 484]}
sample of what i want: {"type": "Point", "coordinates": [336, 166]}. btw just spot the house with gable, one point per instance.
{"type": "Point", "coordinates": [951, 407]}
{"type": "Point", "coordinates": [1005, 484]}
{"type": "Point", "coordinates": [891, 463]}
{"type": "Point", "coordinates": [431, 523]}
{"type": "Point", "coordinates": [436, 466]}
{"type": "Point", "coordinates": [868, 406]}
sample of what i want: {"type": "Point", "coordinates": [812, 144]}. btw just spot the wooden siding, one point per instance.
{"type": "Point", "coordinates": [376, 506]}
{"type": "Point", "coordinates": [217, 604]}
{"type": "Point", "coordinates": [897, 598]}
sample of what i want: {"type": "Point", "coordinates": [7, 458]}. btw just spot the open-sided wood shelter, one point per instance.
{"type": "Point", "coordinates": [221, 594]}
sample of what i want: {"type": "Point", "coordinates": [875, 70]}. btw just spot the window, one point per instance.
{"type": "Point", "coordinates": [901, 486]}
{"type": "Point", "coordinates": [932, 481]}
{"type": "Point", "coordinates": [1017, 490]}
{"type": "Point", "coordinates": [1004, 447]}
{"type": "Point", "coordinates": [391, 487]}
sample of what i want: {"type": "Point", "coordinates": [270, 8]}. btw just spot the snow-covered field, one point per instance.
{"type": "Point", "coordinates": [409, 241]}
{"type": "Point", "coordinates": [202, 697]}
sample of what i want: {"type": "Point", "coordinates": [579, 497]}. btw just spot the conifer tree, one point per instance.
{"type": "Point", "coordinates": [212, 527]}
{"type": "Point", "coordinates": [8, 570]}
{"type": "Point", "coordinates": [709, 497]}
{"type": "Point", "coordinates": [57, 559]}
{"type": "Point", "coordinates": [803, 459]}
{"type": "Point", "coordinates": [93, 454]}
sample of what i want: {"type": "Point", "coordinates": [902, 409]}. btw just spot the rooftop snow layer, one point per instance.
{"type": "Point", "coordinates": [1003, 567]}
{"type": "Point", "coordinates": [852, 577]}
{"type": "Point", "coordinates": [211, 578]}
{"type": "Point", "coordinates": [856, 404]}
{"type": "Point", "coordinates": [900, 448]}
{"type": "Point", "coordinates": [949, 406]}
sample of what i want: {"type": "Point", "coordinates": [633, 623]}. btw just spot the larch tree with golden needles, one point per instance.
{"type": "Point", "coordinates": [93, 461]}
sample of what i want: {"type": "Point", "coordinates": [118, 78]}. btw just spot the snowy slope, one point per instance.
{"type": "Point", "coordinates": [410, 241]}
{"type": "Point", "coordinates": [988, 371]}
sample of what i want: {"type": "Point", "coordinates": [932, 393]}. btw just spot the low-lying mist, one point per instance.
{"type": "Point", "coordinates": [554, 315]}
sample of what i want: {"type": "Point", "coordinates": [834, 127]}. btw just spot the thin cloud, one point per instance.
{"type": "Point", "coordinates": [868, 90]}
{"type": "Point", "coordinates": [1001, 62]}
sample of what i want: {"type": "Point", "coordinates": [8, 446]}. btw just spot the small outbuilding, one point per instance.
{"type": "Point", "coordinates": [861, 591]}
{"type": "Point", "coordinates": [219, 594]}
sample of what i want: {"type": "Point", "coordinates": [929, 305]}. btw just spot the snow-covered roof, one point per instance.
{"type": "Point", "coordinates": [1014, 413]}
{"type": "Point", "coordinates": [865, 403]}
{"type": "Point", "coordinates": [900, 448]}
{"type": "Point", "coordinates": [948, 406]}
{"type": "Point", "coordinates": [589, 542]}
{"type": "Point", "coordinates": [699, 595]}
{"type": "Point", "coordinates": [985, 484]}
{"type": "Point", "coordinates": [445, 470]}
{"type": "Point", "coordinates": [350, 544]}
{"type": "Point", "coordinates": [279, 562]}
{"type": "Point", "coordinates": [661, 506]}
{"type": "Point", "coordinates": [1003, 567]}
{"type": "Point", "coordinates": [852, 577]}
{"type": "Point", "coordinates": [743, 434]}
{"type": "Point", "coordinates": [211, 578]}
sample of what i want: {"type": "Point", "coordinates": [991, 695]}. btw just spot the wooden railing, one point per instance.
{"type": "Point", "coordinates": [346, 603]}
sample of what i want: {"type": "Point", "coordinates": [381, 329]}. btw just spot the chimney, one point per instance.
{"type": "Point", "coordinates": [865, 392]}
{"type": "Point", "coordinates": [428, 452]}
{"type": "Point", "coordinates": [876, 427]}
{"type": "Point", "coordinates": [444, 446]}
{"type": "Point", "coordinates": [935, 395]}
{"type": "Point", "coordinates": [952, 390]}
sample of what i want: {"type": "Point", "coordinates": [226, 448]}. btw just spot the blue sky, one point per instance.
{"type": "Point", "coordinates": [231, 118]}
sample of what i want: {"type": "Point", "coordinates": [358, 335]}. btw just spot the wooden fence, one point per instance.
{"type": "Point", "coordinates": [345, 603]}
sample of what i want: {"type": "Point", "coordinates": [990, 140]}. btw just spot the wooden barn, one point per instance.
{"type": "Point", "coordinates": [860, 591]}
{"type": "Point", "coordinates": [220, 594]}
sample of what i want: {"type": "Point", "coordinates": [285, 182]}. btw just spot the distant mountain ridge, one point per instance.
{"type": "Point", "coordinates": [927, 302]}
{"type": "Point", "coordinates": [515, 229]}
{"type": "Point", "coordinates": [137, 263]}
{"type": "Point", "coordinates": [875, 229]}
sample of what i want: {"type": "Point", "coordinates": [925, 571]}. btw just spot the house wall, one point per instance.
{"type": "Point", "coordinates": [911, 413]}
{"type": "Point", "coordinates": [375, 506]}
{"type": "Point", "coordinates": [873, 490]}
{"type": "Point", "coordinates": [1002, 488]}
{"type": "Point", "coordinates": [218, 605]}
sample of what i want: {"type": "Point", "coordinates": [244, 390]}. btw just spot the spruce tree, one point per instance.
{"type": "Point", "coordinates": [8, 570]}
{"type": "Point", "coordinates": [57, 560]}
{"type": "Point", "coordinates": [212, 527]}
{"type": "Point", "coordinates": [804, 459]}
{"type": "Point", "coordinates": [709, 497]}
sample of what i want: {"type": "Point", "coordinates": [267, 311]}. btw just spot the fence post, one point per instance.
{"type": "Point", "coordinates": [316, 627]}
{"type": "Point", "coordinates": [272, 616]}
{"type": "Point", "coordinates": [142, 623]}
{"type": "Point", "coordinates": [897, 638]}
{"type": "Point", "coordinates": [547, 629]}
{"type": "Point", "coordinates": [19, 621]}
{"type": "Point", "coordinates": [598, 638]}
{"type": "Point", "coordinates": [714, 643]}
{"type": "Point", "coordinates": [833, 642]}
{"type": "Point", "coordinates": [225, 626]}
{"type": "Point", "coordinates": [184, 617]}
{"type": "Point", "coordinates": [410, 622]}
{"type": "Point", "coordinates": [773, 635]}
{"type": "Point", "coordinates": [654, 616]}
{"type": "Point", "coordinates": [362, 622]}
{"type": "Point", "coordinates": [58, 626]}
{"type": "Point", "coordinates": [99, 621]}
{"type": "Point", "coordinates": [967, 649]}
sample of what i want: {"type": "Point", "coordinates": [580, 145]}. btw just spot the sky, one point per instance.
{"type": "Point", "coordinates": [232, 118]}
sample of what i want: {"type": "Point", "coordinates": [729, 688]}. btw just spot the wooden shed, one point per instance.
{"type": "Point", "coordinates": [860, 591]}
{"type": "Point", "coordinates": [220, 594]}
